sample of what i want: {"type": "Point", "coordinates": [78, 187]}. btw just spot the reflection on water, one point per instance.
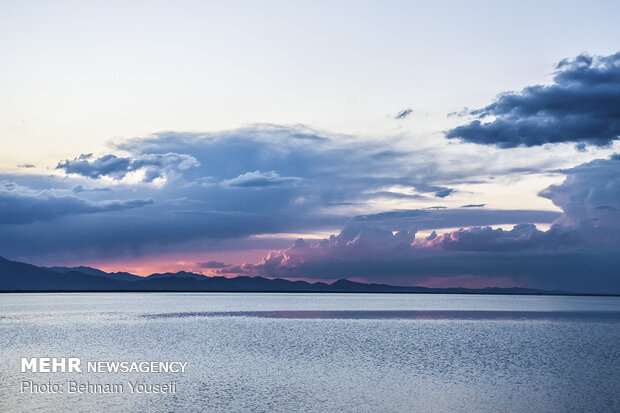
{"type": "Point", "coordinates": [322, 352]}
{"type": "Point", "coordinates": [408, 315]}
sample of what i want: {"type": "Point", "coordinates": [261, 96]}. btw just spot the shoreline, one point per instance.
{"type": "Point", "coordinates": [307, 292]}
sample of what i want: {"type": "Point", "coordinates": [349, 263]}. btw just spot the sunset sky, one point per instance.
{"type": "Point", "coordinates": [381, 141]}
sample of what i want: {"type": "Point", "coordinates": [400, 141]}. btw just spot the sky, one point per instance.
{"type": "Point", "coordinates": [416, 143]}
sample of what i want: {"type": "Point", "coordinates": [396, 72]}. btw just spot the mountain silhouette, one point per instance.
{"type": "Point", "coordinates": [180, 274]}
{"type": "Point", "coordinates": [94, 271]}
{"type": "Point", "coordinates": [21, 277]}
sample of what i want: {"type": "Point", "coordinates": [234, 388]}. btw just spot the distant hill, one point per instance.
{"type": "Point", "coordinates": [18, 276]}
{"type": "Point", "coordinates": [180, 274]}
{"type": "Point", "coordinates": [94, 271]}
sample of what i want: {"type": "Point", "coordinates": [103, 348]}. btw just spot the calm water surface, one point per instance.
{"type": "Point", "coordinates": [320, 352]}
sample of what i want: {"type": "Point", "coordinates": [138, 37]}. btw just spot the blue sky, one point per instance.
{"type": "Point", "coordinates": [149, 136]}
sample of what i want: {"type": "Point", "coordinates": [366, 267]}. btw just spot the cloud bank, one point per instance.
{"type": "Point", "coordinates": [522, 256]}
{"type": "Point", "coordinates": [21, 205]}
{"type": "Point", "coordinates": [578, 253]}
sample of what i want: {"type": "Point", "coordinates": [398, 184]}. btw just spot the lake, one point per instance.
{"type": "Point", "coordinates": [317, 352]}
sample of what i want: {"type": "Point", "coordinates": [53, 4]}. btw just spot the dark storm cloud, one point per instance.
{"type": "Point", "coordinates": [154, 165]}
{"type": "Point", "coordinates": [133, 233]}
{"type": "Point", "coordinates": [567, 271]}
{"type": "Point", "coordinates": [581, 105]}
{"type": "Point", "coordinates": [363, 241]}
{"type": "Point", "coordinates": [542, 259]}
{"type": "Point", "coordinates": [21, 205]}
{"type": "Point", "coordinates": [520, 237]}
{"type": "Point", "coordinates": [578, 253]}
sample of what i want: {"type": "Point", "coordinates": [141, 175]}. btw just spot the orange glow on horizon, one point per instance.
{"type": "Point", "coordinates": [174, 262]}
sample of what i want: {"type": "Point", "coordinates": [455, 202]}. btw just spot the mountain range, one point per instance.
{"type": "Point", "coordinates": [21, 277]}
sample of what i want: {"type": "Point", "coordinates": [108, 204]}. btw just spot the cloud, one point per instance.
{"type": "Point", "coordinates": [578, 253]}
{"type": "Point", "coordinates": [520, 237]}
{"type": "Point", "coordinates": [21, 205]}
{"type": "Point", "coordinates": [258, 179]}
{"type": "Point", "coordinates": [303, 169]}
{"type": "Point", "coordinates": [444, 192]}
{"type": "Point", "coordinates": [26, 165]}
{"type": "Point", "coordinates": [363, 242]}
{"type": "Point", "coordinates": [423, 219]}
{"type": "Point", "coordinates": [581, 147]}
{"type": "Point", "coordinates": [461, 113]}
{"type": "Point", "coordinates": [223, 188]}
{"type": "Point", "coordinates": [581, 105]}
{"type": "Point", "coordinates": [212, 264]}
{"type": "Point", "coordinates": [524, 255]}
{"type": "Point", "coordinates": [590, 195]}
{"type": "Point", "coordinates": [403, 113]}
{"type": "Point", "coordinates": [76, 189]}
{"type": "Point", "coordinates": [153, 165]}
{"type": "Point", "coordinates": [234, 269]}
